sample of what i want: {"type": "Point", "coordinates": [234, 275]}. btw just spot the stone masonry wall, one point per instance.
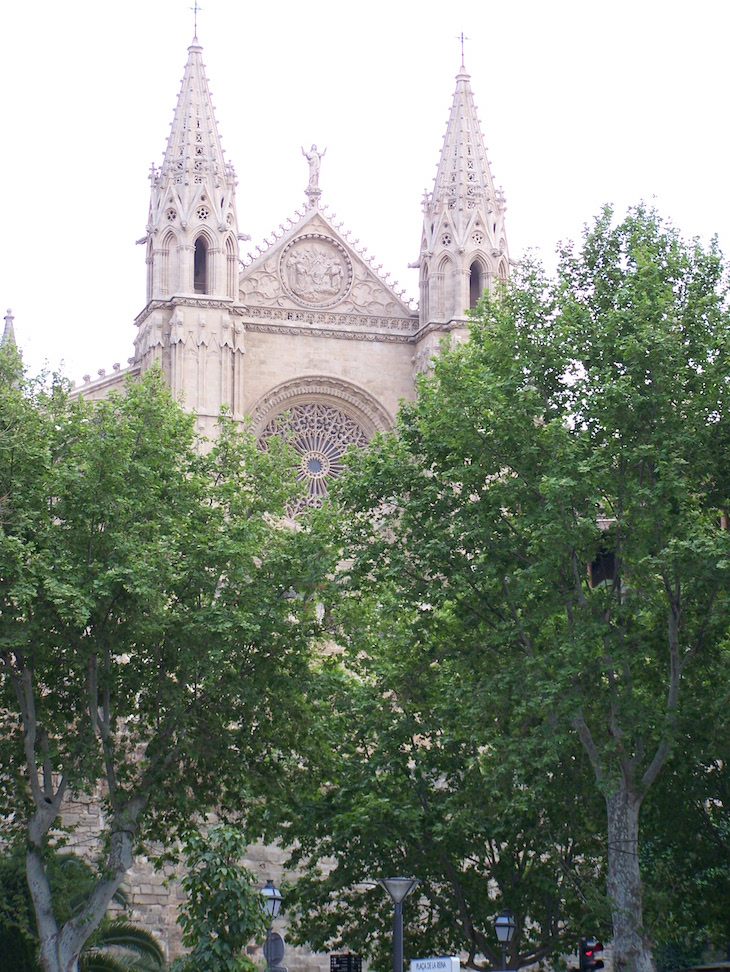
{"type": "Point", "coordinates": [155, 895]}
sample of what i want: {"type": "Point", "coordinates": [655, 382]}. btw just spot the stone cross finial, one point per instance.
{"type": "Point", "coordinates": [462, 37]}
{"type": "Point", "coordinates": [195, 8]}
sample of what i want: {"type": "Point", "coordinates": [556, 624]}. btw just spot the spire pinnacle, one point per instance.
{"type": "Point", "coordinates": [193, 198]}
{"type": "Point", "coordinates": [194, 154]}
{"type": "Point", "coordinates": [463, 245]}
{"type": "Point", "coordinates": [8, 337]}
{"type": "Point", "coordinates": [463, 175]}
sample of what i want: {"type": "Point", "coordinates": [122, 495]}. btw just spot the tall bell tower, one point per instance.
{"type": "Point", "coordinates": [191, 323]}
{"type": "Point", "coordinates": [463, 243]}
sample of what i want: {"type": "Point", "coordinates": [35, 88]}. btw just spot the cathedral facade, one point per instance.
{"type": "Point", "coordinates": [305, 337]}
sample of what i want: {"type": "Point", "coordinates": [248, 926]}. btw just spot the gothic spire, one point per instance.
{"type": "Point", "coordinates": [463, 246]}
{"type": "Point", "coordinates": [191, 323]}
{"type": "Point", "coordinates": [8, 337]}
{"type": "Point", "coordinates": [194, 149]}
{"type": "Point", "coordinates": [463, 179]}
{"type": "Point", "coordinates": [193, 201]}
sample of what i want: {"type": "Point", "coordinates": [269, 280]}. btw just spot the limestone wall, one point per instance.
{"type": "Point", "coordinates": [155, 895]}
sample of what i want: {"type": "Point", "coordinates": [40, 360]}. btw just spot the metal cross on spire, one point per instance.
{"type": "Point", "coordinates": [195, 8]}
{"type": "Point", "coordinates": [462, 37]}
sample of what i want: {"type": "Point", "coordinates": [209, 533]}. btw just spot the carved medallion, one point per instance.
{"type": "Point", "coordinates": [315, 271]}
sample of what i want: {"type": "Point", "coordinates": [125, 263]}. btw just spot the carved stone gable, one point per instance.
{"type": "Point", "coordinates": [313, 267]}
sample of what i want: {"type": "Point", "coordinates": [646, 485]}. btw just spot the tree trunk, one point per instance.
{"type": "Point", "coordinates": [631, 950]}
{"type": "Point", "coordinates": [60, 947]}
{"type": "Point", "coordinates": [48, 932]}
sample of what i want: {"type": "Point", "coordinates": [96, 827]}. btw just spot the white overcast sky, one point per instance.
{"type": "Point", "coordinates": [582, 103]}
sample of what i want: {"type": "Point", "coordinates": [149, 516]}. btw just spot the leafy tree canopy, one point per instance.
{"type": "Point", "coordinates": [550, 523]}
{"type": "Point", "coordinates": [423, 780]}
{"type": "Point", "coordinates": [151, 651]}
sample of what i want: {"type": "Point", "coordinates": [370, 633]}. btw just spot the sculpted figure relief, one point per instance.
{"type": "Point", "coordinates": [315, 272]}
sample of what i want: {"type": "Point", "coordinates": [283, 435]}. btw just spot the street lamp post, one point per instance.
{"type": "Point", "coordinates": [505, 927]}
{"type": "Point", "coordinates": [272, 903]}
{"type": "Point", "coordinates": [398, 889]}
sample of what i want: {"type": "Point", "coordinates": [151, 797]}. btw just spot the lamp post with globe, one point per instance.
{"type": "Point", "coordinates": [505, 926]}
{"type": "Point", "coordinates": [274, 944]}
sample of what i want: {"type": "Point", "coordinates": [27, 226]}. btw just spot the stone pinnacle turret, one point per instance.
{"type": "Point", "coordinates": [191, 323]}
{"type": "Point", "coordinates": [193, 196]}
{"type": "Point", "coordinates": [8, 337]}
{"type": "Point", "coordinates": [463, 244]}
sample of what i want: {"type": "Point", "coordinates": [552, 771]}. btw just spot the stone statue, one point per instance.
{"type": "Point", "coordinates": [315, 160]}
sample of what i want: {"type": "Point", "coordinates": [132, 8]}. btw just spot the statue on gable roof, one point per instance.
{"type": "Point", "coordinates": [315, 161]}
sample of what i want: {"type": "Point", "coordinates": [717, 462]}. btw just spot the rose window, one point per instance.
{"type": "Point", "coordinates": [202, 212]}
{"type": "Point", "coordinates": [477, 237]}
{"type": "Point", "coordinates": [320, 435]}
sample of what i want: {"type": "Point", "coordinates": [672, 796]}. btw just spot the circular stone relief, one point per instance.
{"type": "Point", "coordinates": [315, 271]}
{"type": "Point", "coordinates": [320, 435]}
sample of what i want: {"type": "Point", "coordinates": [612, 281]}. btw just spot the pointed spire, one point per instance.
{"type": "Point", "coordinates": [193, 199]}
{"type": "Point", "coordinates": [194, 150]}
{"type": "Point", "coordinates": [463, 246]}
{"type": "Point", "coordinates": [193, 260]}
{"type": "Point", "coordinates": [8, 337]}
{"type": "Point", "coordinates": [463, 178]}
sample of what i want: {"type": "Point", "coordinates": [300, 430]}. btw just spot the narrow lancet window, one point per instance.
{"type": "Point", "coordinates": [200, 266]}
{"type": "Point", "coordinates": [476, 284]}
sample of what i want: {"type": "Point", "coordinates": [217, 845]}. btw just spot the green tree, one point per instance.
{"type": "Point", "coordinates": [561, 488]}
{"type": "Point", "coordinates": [224, 911]}
{"type": "Point", "coordinates": [150, 651]}
{"type": "Point", "coordinates": [427, 776]}
{"type": "Point", "coordinates": [686, 855]}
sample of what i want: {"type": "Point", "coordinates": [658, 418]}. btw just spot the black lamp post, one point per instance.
{"type": "Point", "coordinates": [505, 927]}
{"type": "Point", "coordinates": [398, 889]}
{"type": "Point", "coordinates": [272, 903]}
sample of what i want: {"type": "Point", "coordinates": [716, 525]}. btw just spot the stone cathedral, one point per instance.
{"type": "Point", "coordinates": [305, 337]}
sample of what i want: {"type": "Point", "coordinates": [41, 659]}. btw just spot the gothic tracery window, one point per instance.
{"type": "Point", "coordinates": [320, 434]}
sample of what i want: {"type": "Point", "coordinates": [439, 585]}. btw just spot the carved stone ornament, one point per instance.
{"type": "Point", "coordinates": [315, 271]}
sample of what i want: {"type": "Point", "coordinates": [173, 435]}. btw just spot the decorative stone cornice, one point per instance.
{"type": "Point", "coordinates": [338, 335]}
{"type": "Point", "coordinates": [191, 300]}
{"type": "Point", "coordinates": [443, 327]}
{"type": "Point", "coordinates": [331, 321]}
